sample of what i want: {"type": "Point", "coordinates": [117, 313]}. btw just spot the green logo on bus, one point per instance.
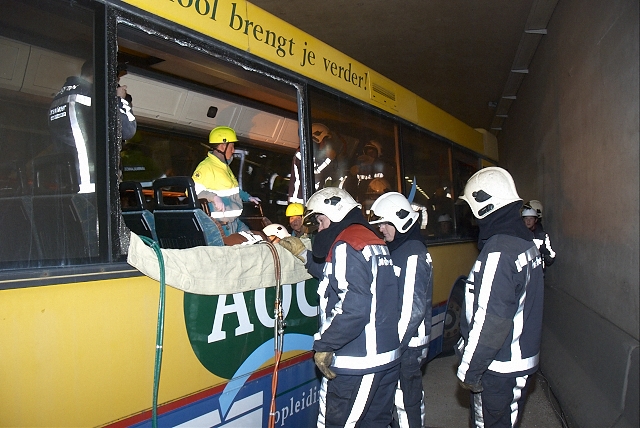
{"type": "Point", "coordinates": [225, 330]}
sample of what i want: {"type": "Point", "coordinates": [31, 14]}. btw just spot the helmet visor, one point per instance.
{"type": "Point", "coordinates": [310, 218]}
{"type": "Point", "coordinates": [375, 219]}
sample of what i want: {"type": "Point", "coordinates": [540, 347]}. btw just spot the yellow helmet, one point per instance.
{"type": "Point", "coordinates": [222, 134]}
{"type": "Point", "coordinates": [294, 209]}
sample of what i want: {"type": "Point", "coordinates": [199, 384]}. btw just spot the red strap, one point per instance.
{"type": "Point", "coordinates": [358, 237]}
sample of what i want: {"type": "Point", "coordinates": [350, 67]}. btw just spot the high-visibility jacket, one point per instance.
{"type": "Point", "coordinates": [215, 176]}
{"type": "Point", "coordinates": [71, 124]}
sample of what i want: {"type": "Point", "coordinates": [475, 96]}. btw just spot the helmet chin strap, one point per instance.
{"type": "Point", "coordinates": [222, 152]}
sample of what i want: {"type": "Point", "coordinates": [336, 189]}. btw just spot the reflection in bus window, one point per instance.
{"type": "Point", "coordinates": [263, 173]}
{"type": "Point", "coordinates": [426, 159]}
{"type": "Point", "coordinates": [71, 126]}
{"type": "Point", "coordinates": [48, 205]}
{"type": "Point", "coordinates": [325, 150]}
{"type": "Point", "coordinates": [358, 148]}
{"type": "Point", "coordinates": [464, 166]}
{"type": "Point", "coordinates": [433, 164]}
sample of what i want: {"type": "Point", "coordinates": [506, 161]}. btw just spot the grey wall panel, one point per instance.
{"type": "Point", "coordinates": [588, 362]}
{"type": "Point", "coordinates": [572, 141]}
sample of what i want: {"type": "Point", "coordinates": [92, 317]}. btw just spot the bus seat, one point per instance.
{"type": "Point", "coordinates": [64, 226]}
{"type": "Point", "coordinates": [17, 231]}
{"type": "Point", "coordinates": [65, 221]}
{"type": "Point", "coordinates": [180, 222]}
{"type": "Point", "coordinates": [12, 179]}
{"type": "Point", "coordinates": [138, 218]}
{"type": "Point", "coordinates": [55, 174]}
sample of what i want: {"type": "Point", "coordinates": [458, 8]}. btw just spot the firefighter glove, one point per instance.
{"type": "Point", "coordinates": [294, 246]}
{"type": "Point", "coordinates": [473, 387]}
{"type": "Point", "coordinates": [323, 361]}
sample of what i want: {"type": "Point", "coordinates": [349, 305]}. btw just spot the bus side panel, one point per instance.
{"type": "Point", "coordinates": [437, 328]}
{"type": "Point", "coordinates": [296, 403]}
{"type": "Point", "coordinates": [449, 262]}
{"type": "Point", "coordinates": [82, 354]}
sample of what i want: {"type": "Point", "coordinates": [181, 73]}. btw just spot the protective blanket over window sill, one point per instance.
{"type": "Point", "coordinates": [218, 270]}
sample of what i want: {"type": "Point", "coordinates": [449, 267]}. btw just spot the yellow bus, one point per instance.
{"type": "Point", "coordinates": [78, 324]}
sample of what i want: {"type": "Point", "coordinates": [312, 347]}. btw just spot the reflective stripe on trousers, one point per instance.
{"type": "Point", "coordinates": [500, 403]}
{"type": "Point", "coordinates": [364, 401]}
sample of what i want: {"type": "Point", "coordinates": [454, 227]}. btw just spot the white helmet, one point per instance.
{"type": "Point", "coordinates": [536, 205]}
{"type": "Point", "coordinates": [319, 132]}
{"type": "Point", "coordinates": [373, 144]}
{"type": "Point", "coordinates": [275, 229]}
{"type": "Point", "coordinates": [394, 208]}
{"type": "Point", "coordinates": [333, 202]}
{"type": "Point", "coordinates": [529, 212]}
{"type": "Point", "coordinates": [488, 190]}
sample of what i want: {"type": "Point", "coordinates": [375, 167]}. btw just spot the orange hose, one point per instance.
{"type": "Point", "coordinates": [274, 386]}
{"type": "Point", "coordinates": [278, 337]}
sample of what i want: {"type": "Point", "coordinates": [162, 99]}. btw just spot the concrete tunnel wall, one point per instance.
{"type": "Point", "coordinates": [572, 140]}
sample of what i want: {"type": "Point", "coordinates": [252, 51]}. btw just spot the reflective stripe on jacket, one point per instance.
{"type": "Point", "coordinates": [358, 294]}
{"type": "Point", "coordinates": [502, 322]}
{"type": "Point", "coordinates": [215, 176]}
{"type": "Point", "coordinates": [412, 262]}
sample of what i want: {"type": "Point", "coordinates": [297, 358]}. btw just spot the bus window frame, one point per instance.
{"type": "Point", "coordinates": [107, 18]}
{"type": "Point", "coordinates": [221, 52]}
{"type": "Point", "coordinates": [400, 124]}
{"type": "Point", "coordinates": [23, 269]}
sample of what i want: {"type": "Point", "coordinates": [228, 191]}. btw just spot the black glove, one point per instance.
{"type": "Point", "coordinates": [323, 361]}
{"type": "Point", "coordinates": [473, 387]}
{"type": "Point", "coordinates": [544, 251]}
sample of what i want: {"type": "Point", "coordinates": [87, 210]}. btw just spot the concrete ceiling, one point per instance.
{"type": "Point", "coordinates": [456, 54]}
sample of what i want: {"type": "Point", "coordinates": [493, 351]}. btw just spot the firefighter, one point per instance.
{"type": "Point", "coordinates": [532, 219]}
{"type": "Point", "coordinates": [357, 346]}
{"type": "Point", "coordinates": [398, 223]}
{"type": "Point", "coordinates": [500, 344]}
{"type": "Point", "coordinates": [294, 213]}
{"type": "Point", "coordinates": [324, 165]}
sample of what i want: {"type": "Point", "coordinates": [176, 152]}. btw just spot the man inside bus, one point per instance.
{"type": "Point", "coordinates": [400, 226]}
{"type": "Point", "coordinates": [357, 346]}
{"type": "Point", "coordinates": [369, 166]}
{"type": "Point", "coordinates": [215, 182]}
{"type": "Point", "coordinates": [294, 214]}
{"type": "Point", "coordinates": [324, 154]}
{"type": "Point", "coordinates": [503, 303]}
{"type": "Point", "coordinates": [445, 226]}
